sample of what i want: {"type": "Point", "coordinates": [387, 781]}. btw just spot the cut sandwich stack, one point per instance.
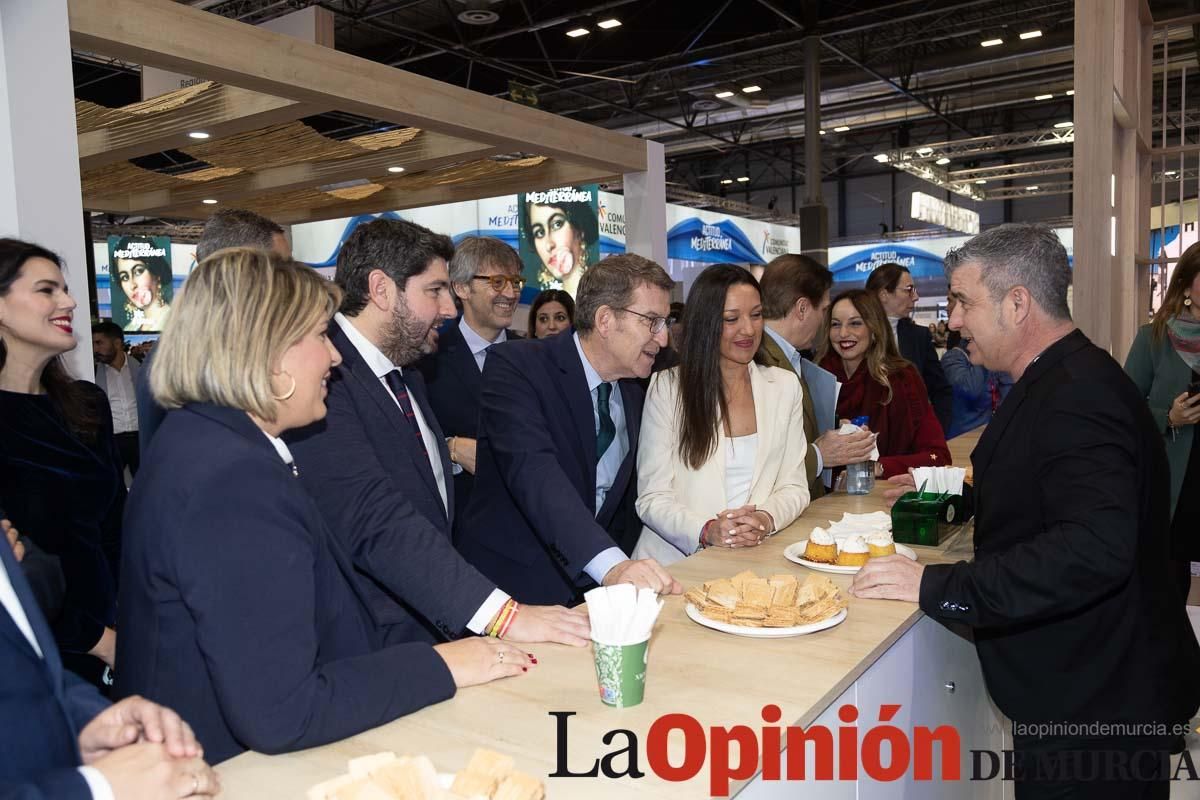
{"type": "Point", "coordinates": [384, 776]}
{"type": "Point", "coordinates": [779, 601]}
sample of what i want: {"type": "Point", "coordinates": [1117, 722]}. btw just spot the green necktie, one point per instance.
{"type": "Point", "coordinates": [608, 431]}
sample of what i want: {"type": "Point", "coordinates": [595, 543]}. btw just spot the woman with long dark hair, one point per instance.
{"type": "Point", "coordinates": [60, 474]}
{"type": "Point", "coordinates": [721, 457]}
{"type": "Point", "coordinates": [878, 383]}
{"type": "Point", "coordinates": [551, 312]}
{"type": "Point", "coordinates": [1164, 362]}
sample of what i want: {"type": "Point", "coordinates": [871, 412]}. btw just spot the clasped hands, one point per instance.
{"type": "Point", "coordinates": [738, 527]}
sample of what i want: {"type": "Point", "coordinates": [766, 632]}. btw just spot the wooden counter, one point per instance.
{"type": "Point", "coordinates": [717, 678]}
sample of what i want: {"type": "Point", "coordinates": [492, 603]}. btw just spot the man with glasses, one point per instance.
{"type": "Point", "coordinates": [485, 277]}
{"type": "Point", "coordinates": [897, 291]}
{"type": "Point", "coordinates": [552, 512]}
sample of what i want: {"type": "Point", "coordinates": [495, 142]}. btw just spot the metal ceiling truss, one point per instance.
{"type": "Point", "coordinates": [1023, 169]}
{"type": "Point", "coordinates": [1035, 190]}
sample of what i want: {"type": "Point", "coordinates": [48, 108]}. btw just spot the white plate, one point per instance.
{"type": "Point", "coordinates": [795, 553]}
{"type": "Point", "coordinates": [763, 633]}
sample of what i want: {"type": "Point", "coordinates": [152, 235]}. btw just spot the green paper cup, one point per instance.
{"type": "Point", "coordinates": [621, 672]}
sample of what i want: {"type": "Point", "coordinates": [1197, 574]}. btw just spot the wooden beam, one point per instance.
{"type": "Point", "coordinates": [173, 36]}
{"type": "Point", "coordinates": [426, 151]}
{"type": "Point", "coordinates": [545, 176]}
{"type": "Point", "coordinates": [223, 111]}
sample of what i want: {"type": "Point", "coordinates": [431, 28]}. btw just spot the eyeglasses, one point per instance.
{"type": "Point", "coordinates": [499, 282]}
{"type": "Point", "coordinates": [656, 323]}
{"type": "Point", "coordinates": [910, 290]}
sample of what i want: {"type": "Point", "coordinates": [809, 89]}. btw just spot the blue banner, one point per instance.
{"type": "Point", "coordinates": [721, 242]}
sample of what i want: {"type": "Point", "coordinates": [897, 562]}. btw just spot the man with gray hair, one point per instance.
{"type": "Point", "coordinates": [229, 227]}
{"type": "Point", "coordinates": [552, 510]}
{"type": "Point", "coordinates": [1076, 621]}
{"type": "Point", "coordinates": [485, 276]}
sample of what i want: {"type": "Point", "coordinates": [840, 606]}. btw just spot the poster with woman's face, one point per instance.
{"type": "Point", "coordinates": [140, 281]}
{"type": "Point", "coordinates": [559, 235]}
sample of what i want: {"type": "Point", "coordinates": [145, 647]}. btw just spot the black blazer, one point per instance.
{"type": "Point", "coordinates": [376, 490]}
{"type": "Point", "coordinates": [42, 707]}
{"type": "Point", "coordinates": [916, 345]}
{"type": "Point", "coordinates": [150, 413]}
{"type": "Point", "coordinates": [1076, 618]}
{"type": "Point", "coordinates": [531, 524]}
{"type": "Point", "coordinates": [453, 380]}
{"type": "Point", "coordinates": [241, 611]}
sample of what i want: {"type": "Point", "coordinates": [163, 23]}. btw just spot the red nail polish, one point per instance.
{"type": "Point", "coordinates": [531, 658]}
{"type": "Point", "coordinates": [524, 669]}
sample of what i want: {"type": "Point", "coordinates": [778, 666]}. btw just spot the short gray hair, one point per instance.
{"type": "Point", "coordinates": [612, 283]}
{"type": "Point", "coordinates": [236, 227]}
{"type": "Point", "coordinates": [1019, 255]}
{"type": "Point", "coordinates": [475, 252]}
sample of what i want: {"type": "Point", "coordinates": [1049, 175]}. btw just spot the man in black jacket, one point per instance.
{"type": "Point", "coordinates": [894, 286]}
{"type": "Point", "coordinates": [1075, 618]}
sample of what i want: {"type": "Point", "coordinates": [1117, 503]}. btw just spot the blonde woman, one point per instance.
{"type": "Point", "coordinates": [241, 607]}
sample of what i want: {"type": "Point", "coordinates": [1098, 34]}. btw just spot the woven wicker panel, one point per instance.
{"type": "Point", "coordinates": [124, 178]}
{"type": "Point", "coordinates": [474, 172]}
{"type": "Point", "coordinates": [289, 143]}
{"type": "Point", "coordinates": [382, 141]}
{"type": "Point", "coordinates": [282, 202]}
{"type": "Point", "coordinates": [210, 174]}
{"type": "Point", "coordinates": [90, 116]}
{"type": "Point", "coordinates": [356, 192]}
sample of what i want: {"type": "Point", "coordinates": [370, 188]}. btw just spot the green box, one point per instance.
{"type": "Point", "coordinates": [925, 518]}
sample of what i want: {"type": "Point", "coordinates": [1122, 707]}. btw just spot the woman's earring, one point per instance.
{"type": "Point", "coordinates": [290, 391]}
{"type": "Point", "coordinates": [1187, 300]}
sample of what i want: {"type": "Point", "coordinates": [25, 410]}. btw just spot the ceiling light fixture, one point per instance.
{"type": "Point", "coordinates": [943, 161]}
{"type": "Point", "coordinates": [924, 151]}
{"type": "Point", "coordinates": [723, 95]}
{"type": "Point", "coordinates": [1070, 92]}
{"type": "Point", "coordinates": [209, 202]}
{"type": "Point", "coordinates": [821, 132]}
{"type": "Point", "coordinates": [198, 135]}
{"type": "Point", "coordinates": [743, 179]}
{"type": "Point", "coordinates": [575, 33]}
{"type": "Point", "coordinates": [1031, 188]}
{"type": "Point", "coordinates": [751, 89]}
{"type": "Point", "coordinates": [980, 182]}
{"type": "Point", "coordinates": [1067, 124]}
{"type": "Point", "coordinates": [726, 181]}
{"type": "Point", "coordinates": [395, 169]}
{"type": "Point", "coordinates": [606, 24]}
{"type": "Point", "coordinates": [841, 129]}
{"type": "Point", "coordinates": [1043, 97]}
{"type": "Point", "coordinates": [1170, 173]}
{"type": "Point", "coordinates": [991, 42]}
{"type": "Point", "coordinates": [882, 158]}
{"type": "Point", "coordinates": [1031, 34]}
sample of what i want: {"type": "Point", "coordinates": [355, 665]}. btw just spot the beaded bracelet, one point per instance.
{"type": "Point", "coordinates": [509, 621]}
{"type": "Point", "coordinates": [505, 612]}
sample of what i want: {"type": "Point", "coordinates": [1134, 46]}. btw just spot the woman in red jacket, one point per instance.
{"type": "Point", "coordinates": [879, 384]}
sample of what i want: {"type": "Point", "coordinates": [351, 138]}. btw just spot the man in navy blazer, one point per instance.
{"type": "Point", "coordinates": [898, 293]}
{"type": "Point", "coordinates": [485, 275]}
{"type": "Point", "coordinates": [558, 434]}
{"type": "Point", "coordinates": [378, 464]}
{"type": "Point", "coordinates": [52, 723]}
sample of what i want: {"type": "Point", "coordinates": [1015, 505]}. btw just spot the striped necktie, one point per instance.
{"type": "Point", "coordinates": [395, 380]}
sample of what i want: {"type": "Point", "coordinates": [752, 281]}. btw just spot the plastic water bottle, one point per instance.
{"type": "Point", "coordinates": [860, 477]}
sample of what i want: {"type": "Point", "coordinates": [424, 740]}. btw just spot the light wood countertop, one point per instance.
{"type": "Point", "coordinates": [717, 678]}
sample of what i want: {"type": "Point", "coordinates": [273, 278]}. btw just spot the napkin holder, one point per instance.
{"type": "Point", "coordinates": [925, 518]}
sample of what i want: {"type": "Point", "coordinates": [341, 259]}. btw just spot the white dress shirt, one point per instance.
{"type": "Point", "coordinates": [795, 359]}
{"type": "Point", "coordinates": [381, 365]}
{"type": "Point", "coordinates": [97, 783]}
{"type": "Point", "coordinates": [610, 463]}
{"type": "Point", "coordinates": [477, 344]}
{"type": "Point", "coordinates": [121, 397]}
{"type": "Point", "coordinates": [739, 468]}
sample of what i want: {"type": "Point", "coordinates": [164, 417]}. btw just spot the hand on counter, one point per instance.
{"type": "Point", "coordinates": [551, 624]}
{"type": "Point", "coordinates": [137, 719]}
{"type": "Point", "coordinates": [738, 527]}
{"type": "Point", "coordinates": [889, 578]}
{"type": "Point", "coordinates": [646, 573]}
{"type": "Point", "coordinates": [147, 772]}
{"type": "Point", "coordinates": [480, 659]}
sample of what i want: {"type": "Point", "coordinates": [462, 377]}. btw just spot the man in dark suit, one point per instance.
{"type": "Point", "coordinates": [898, 293]}
{"type": "Point", "coordinates": [378, 464]}
{"type": "Point", "coordinates": [485, 276]}
{"type": "Point", "coordinates": [558, 435]}
{"type": "Point", "coordinates": [229, 227]}
{"type": "Point", "coordinates": [59, 739]}
{"type": "Point", "coordinates": [795, 297]}
{"type": "Point", "coordinates": [1074, 614]}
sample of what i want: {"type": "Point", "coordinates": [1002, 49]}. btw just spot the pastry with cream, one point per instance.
{"type": "Point", "coordinates": [821, 547]}
{"type": "Point", "coordinates": [853, 552]}
{"type": "Point", "coordinates": [880, 544]}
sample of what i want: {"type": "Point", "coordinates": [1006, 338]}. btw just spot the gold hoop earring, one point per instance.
{"type": "Point", "coordinates": [290, 391]}
{"type": "Point", "coordinates": [1187, 300]}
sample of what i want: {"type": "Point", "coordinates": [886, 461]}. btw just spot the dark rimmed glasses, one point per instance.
{"type": "Point", "coordinates": [656, 323]}
{"type": "Point", "coordinates": [498, 282]}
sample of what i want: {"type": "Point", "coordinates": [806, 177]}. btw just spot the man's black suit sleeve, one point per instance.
{"type": "Point", "coordinates": [1086, 478]}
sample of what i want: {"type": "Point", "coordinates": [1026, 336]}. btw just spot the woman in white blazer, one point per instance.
{"type": "Point", "coordinates": [721, 455]}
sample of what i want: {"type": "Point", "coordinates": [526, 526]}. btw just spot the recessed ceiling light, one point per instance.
{"type": "Point", "coordinates": [1170, 173]}
{"type": "Point", "coordinates": [751, 89]}
{"type": "Point", "coordinates": [198, 135]}
{"type": "Point", "coordinates": [575, 33]}
{"type": "Point", "coordinates": [991, 42]}
{"type": "Point", "coordinates": [1031, 34]}
{"type": "Point", "coordinates": [1043, 97]}
{"type": "Point", "coordinates": [821, 132]}
{"type": "Point", "coordinates": [395, 169]}
{"type": "Point", "coordinates": [882, 158]}
{"type": "Point", "coordinates": [841, 129]}
{"type": "Point", "coordinates": [1070, 92]}
{"type": "Point", "coordinates": [723, 95]}
{"type": "Point", "coordinates": [209, 202]}
{"type": "Point", "coordinates": [743, 179]}
{"type": "Point", "coordinates": [924, 151]}
{"type": "Point", "coordinates": [608, 23]}
{"type": "Point", "coordinates": [980, 182]}
{"type": "Point", "coordinates": [726, 181]}
{"type": "Point", "coordinates": [943, 161]}
{"type": "Point", "coordinates": [1032, 188]}
{"type": "Point", "coordinates": [1064, 124]}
